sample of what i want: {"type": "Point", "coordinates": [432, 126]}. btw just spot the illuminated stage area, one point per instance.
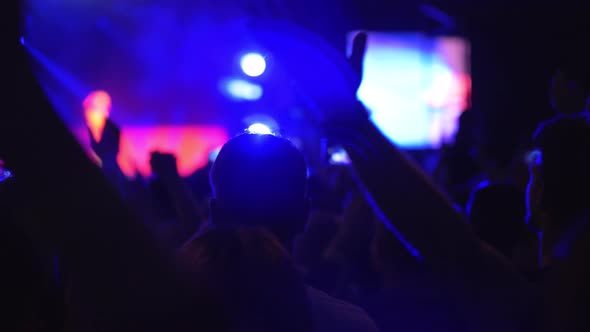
{"type": "Point", "coordinates": [184, 80]}
{"type": "Point", "coordinates": [190, 144]}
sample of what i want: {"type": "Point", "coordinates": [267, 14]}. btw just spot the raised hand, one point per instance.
{"type": "Point", "coordinates": [187, 212]}
{"type": "Point", "coordinates": [357, 57]}
{"type": "Point", "coordinates": [343, 124]}
{"type": "Point", "coordinates": [164, 166]}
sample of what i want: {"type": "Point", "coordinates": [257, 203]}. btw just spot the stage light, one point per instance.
{"type": "Point", "coordinates": [259, 128]}
{"type": "Point", "coordinates": [253, 64]}
{"type": "Point", "coordinates": [241, 89]}
{"type": "Point", "coordinates": [97, 109]}
{"type": "Point", "coordinates": [22, 41]}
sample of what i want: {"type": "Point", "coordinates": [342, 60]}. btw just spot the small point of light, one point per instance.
{"type": "Point", "coordinates": [213, 154]}
{"type": "Point", "coordinates": [259, 128]}
{"type": "Point", "coordinates": [241, 89]}
{"type": "Point", "coordinates": [339, 157]}
{"type": "Point", "coordinates": [253, 64]}
{"type": "Point", "coordinates": [22, 41]}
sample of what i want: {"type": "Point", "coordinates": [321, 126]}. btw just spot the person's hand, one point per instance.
{"type": "Point", "coordinates": [356, 113]}
{"type": "Point", "coordinates": [107, 148]}
{"type": "Point", "coordinates": [357, 57]}
{"type": "Point", "coordinates": [348, 125]}
{"type": "Point", "coordinates": [164, 166]}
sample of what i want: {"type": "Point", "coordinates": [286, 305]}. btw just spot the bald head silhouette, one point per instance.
{"type": "Point", "coordinates": [260, 180]}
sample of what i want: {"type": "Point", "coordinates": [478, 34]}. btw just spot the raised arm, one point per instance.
{"type": "Point", "coordinates": [185, 204]}
{"type": "Point", "coordinates": [409, 202]}
{"type": "Point", "coordinates": [117, 278]}
{"type": "Point", "coordinates": [483, 284]}
{"type": "Point", "coordinates": [406, 199]}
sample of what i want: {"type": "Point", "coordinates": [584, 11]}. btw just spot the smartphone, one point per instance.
{"type": "Point", "coordinates": [334, 154]}
{"type": "Point", "coordinates": [338, 156]}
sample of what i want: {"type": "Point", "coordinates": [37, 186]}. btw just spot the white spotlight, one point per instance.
{"type": "Point", "coordinates": [253, 64]}
{"type": "Point", "coordinates": [259, 128]}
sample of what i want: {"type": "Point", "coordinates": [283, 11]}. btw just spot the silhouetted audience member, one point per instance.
{"type": "Point", "coordinates": [350, 249]}
{"type": "Point", "coordinates": [330, 193]}
{"type": "Point", "coordinates": [496, 212]}
{"type": "Point", "coordinates": [201, 188]}
{"type": "Point", "coordinates": [183, 218]}
{"type": "Point", "coordinates": [30, 294]}
{"type": "Point", "coordinates": [559, 206]}
{"type": "Point", "coordinates": [401, 289]}
{"type": "Point", "coordinates": [261, 180]}
{"type": "Point", "coordinates": [458, 166]}
{"type": "Point", "coordinates": [482, 291]}
{"type": "Point", "coordinates": [248, 271]}
{"type": "Point", "coordinates": [116, 278]}
{"type": "Point", "coordinates": [567, 96]}
{"type": "Point", "coordinates": [199, 181]}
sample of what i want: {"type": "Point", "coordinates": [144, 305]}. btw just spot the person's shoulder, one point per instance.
{"type": "Point", "coordinates": [331, 314]}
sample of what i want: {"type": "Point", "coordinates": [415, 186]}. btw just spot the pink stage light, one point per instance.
{"type": "Point", "coordinates": [191, 144]}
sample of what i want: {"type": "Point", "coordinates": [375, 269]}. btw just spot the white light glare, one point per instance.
{"type": "Point", "coordinates": [259, 128]}
{"type": "Point", "coordinates": [253, 64]}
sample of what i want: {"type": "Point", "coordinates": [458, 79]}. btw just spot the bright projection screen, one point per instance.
{"type": "Point", "coordinates": [416, 86]}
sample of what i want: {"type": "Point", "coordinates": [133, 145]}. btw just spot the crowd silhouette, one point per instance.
{"type": "Point", "coordinates": [255, 242]}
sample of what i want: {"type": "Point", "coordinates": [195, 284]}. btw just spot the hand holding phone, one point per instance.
{"type": "Point", "coordinates": [338, 156]}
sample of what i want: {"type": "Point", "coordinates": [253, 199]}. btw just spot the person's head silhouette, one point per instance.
{"type": "Point", "coordinates": [568, 93]}
{"type": "Point", "coordinates": [557, 194]}
{"type": "Point", "coordinates": [260, 180]}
